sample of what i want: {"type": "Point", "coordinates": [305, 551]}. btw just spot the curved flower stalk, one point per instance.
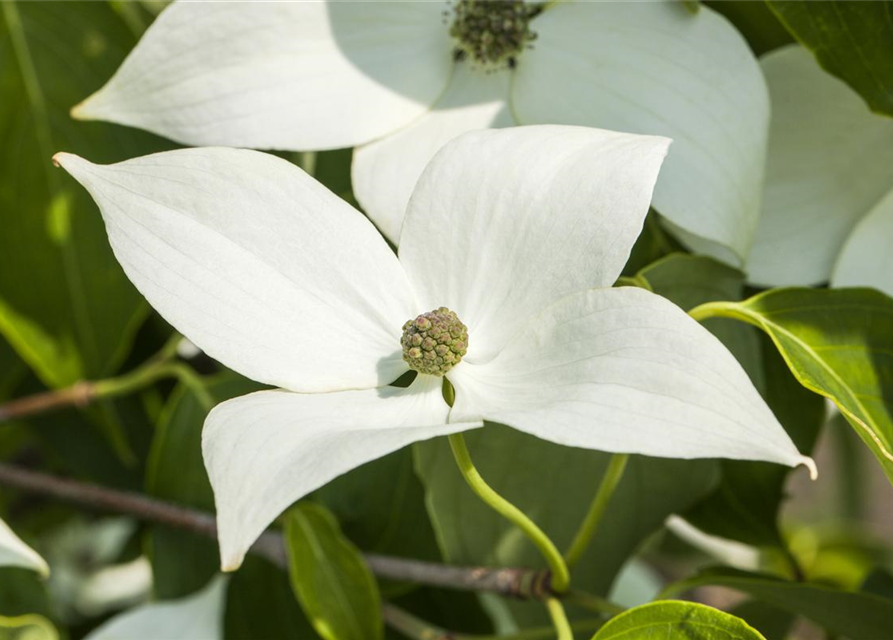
{"type": "Point", "coordinates": [519, 232]}
{"type": "Point", "coordinates": [828, 199]}
{"type": "Point", "coordinates": [400, 79]}
{"type": "Point", "coordinates": [15, 553]}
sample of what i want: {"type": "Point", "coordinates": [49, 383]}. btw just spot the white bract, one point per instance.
{"type": "Point", "coordinates": [521, 232]}
{"type": "Point", "coordinates": [15, 553]}
{"type": "Point", "coordinates": [828, 200]}
{"type": "Point", "coordinates": [385, 76]}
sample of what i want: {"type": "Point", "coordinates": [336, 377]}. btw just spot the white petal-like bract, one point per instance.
{"type": "Point", "coordinates": [280, 75]}
{"type": "Point", "coordinates": [196, 617]}
{"type": "Point", "coordinates": [258, 264]}
{"type": "Point", "coordinates": [866, 259]}
{"type": "Point", "coordinates": [654, 68]}
{"type": "Point", "coordinates": [15, 553]}
{"type": "Point", "coordinates": [504, 222]}
{"type": "Point", "coordinates": [627, 371]}
{"type": "Point", "coordinates": [265, 450]}
{"type": "Point", "coordinates": [384, 172]}
{"type": "Point", "coordinates": [830, 162]}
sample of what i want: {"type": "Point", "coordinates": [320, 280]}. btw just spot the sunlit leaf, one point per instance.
{"type": "Point", "coordinates": [330, 577]}
{"type": "Point", "coordinates": [838, 343]}
{"type": "Point", "coordinates": [852, 40]}
{"type": "Point", "coordinates": [676, 620]}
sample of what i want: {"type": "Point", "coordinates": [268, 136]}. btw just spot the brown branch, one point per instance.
{"type": "Point", "coordinates": [509, 582]}
{"type": "Point", "coordinates": [79, 395]}
{"type": "Point", "coordinates": [512, 582]}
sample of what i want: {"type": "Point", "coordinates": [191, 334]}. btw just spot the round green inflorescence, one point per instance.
{"type": "Point", "coordinates": [492, 32]}
{"type": "Point", "coordinates": [434, 342]}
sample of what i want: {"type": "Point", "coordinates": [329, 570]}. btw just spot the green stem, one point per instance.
{"type": "Point", "coordinates": [606, 488]}
{"type": "Point", "coordinates": [560, 574]}
{"type": "Point", "coordinates": [83, 393]}
{"type": "Point", "coordinates": [559, 619]}
{"type": "Point", "coordinates": [593, 603]}
{"type": "Point", "coordinates": [714, 310]}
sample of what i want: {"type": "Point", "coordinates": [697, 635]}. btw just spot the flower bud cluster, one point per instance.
{"type": "Point", "coordinates": [434, 342]}
{"type": "Point", "coordinates": [492, 32]}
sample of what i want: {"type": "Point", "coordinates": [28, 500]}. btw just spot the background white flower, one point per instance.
{"type": "Point", "coordinates": [196, 617]}
{"type": "Point", "coordinates": [312, 75]}
{"type": "Point", "coordinates": [828, 199]}
{"type": "Point", "coordinates": [520, 231]}
{"type": "Point", "coordinates": [15, 553]}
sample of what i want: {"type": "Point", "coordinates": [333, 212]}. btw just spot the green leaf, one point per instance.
{"type": "Point", "coordinates": [330, 578]}
{"type": "Point", "coordinates": [689, 281]}
{"type": "Point", "coordinates": [22, 592]}
{"type": "Point", "coordinates": [856, 615]}
{"type": "Point", "coordinates": [381, 508]}
{"type": "Point", "coordinates": [12, 369]}
{"type": "Point", "coordinates": [676, 620]}
{"type": "Point", "coordinates": [745, 505]}
{"type": "Point", "coordinates": [259, 599]}
{"type": "Point", "coordinates": [839, 344]}
{"type": "Point", "coordinates": [554, 485]}
{"type": "Point", "coordinates": [756, 22]}
{"type": "Point", "coordinates": [27, 627]}
{"type": "Point", "coordinates": [774, 623]}
{"type": "Point", "coordinates": [852, 40]}
{"type": "Point", "coordinates": [183, 563]}
{"type": "Point", "coordinates": [65, 304]}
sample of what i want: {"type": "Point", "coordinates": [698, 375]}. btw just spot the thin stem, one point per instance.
{"type": "Point", "coordinates": [83, 393]}
{"type": "Point", "coordinates": [560, 574]}
{"type": "Point", "coordinates": [592, 602]}
{"type": "Point", "coordinates": [559, 619]}
{"type": "Point", "coordinates": [606, 489]}
{"type": "Point", "coordinates": [413, 627]}
{"type": "Point", "coordinates": [712, 310]}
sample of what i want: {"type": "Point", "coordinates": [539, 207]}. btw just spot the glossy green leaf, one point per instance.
{"type": "Point", "coordinates": [676, 620]}
{"type": "Point", "coordinates": [838, 343]}
{"type": "Point", "coordinates": [330, 578]}
{"type": "Point", "coordinates": [65, 305]}
{"type": "Point", "coordinates": [856, 615]}
{"type": "Point", "coordinates": [852, 40]}
{"type": "Point", "coordinates": [554, 485]}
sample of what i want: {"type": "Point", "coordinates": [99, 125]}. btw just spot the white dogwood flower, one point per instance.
{"type": "Point", "coordinates": [828, 199]}
{"type": "Point", "coordinates": [512, 242]}
{"type": "Point", "coordinates": [400, 79]}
